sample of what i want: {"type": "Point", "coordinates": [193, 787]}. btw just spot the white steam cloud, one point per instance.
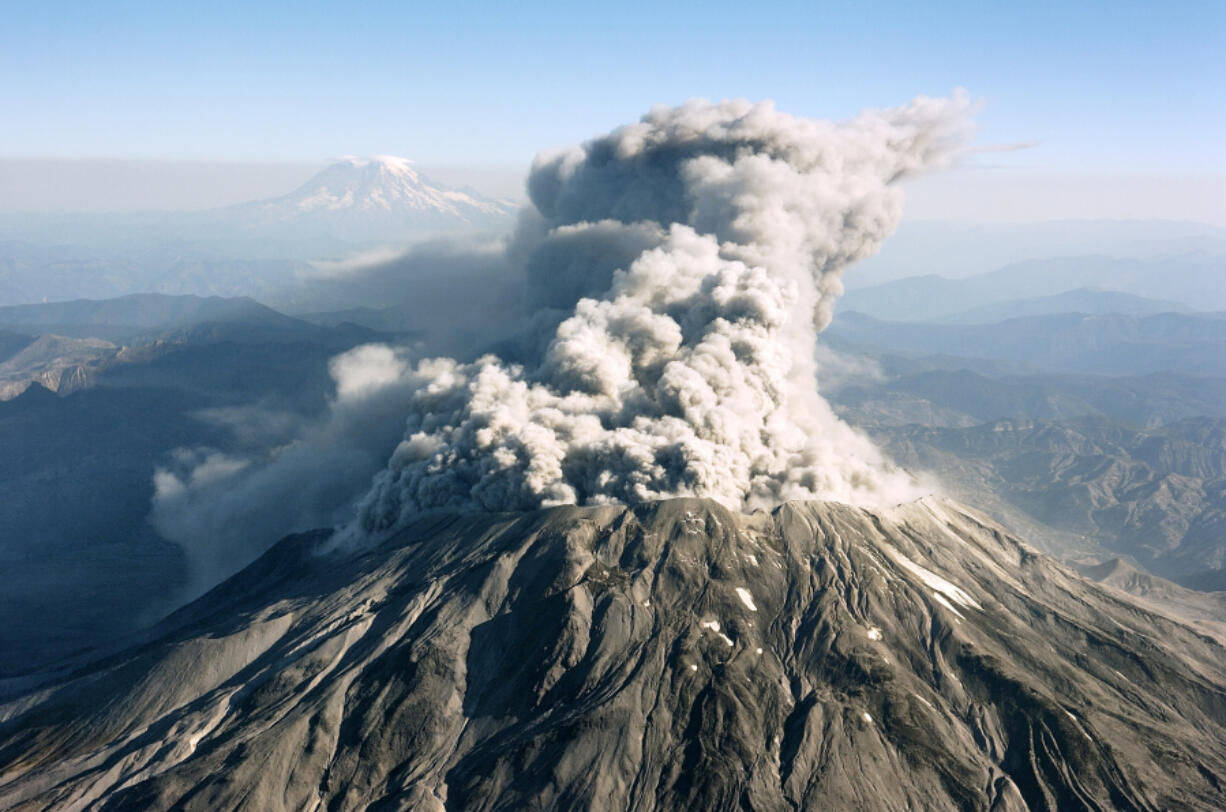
{"type": "Point", "coordinates": [694, 256]}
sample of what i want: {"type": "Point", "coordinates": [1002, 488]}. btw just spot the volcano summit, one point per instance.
{"type": "Point", "coordinates": [671, 656]}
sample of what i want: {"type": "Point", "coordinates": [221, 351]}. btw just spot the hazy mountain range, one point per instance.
{"type": "Point", "coordinates": [1085, 284]}
{"type": "Point", "coordinates": [64, 346]}
{"type": "Point", "coordinates": [256, 248]}
{"type": "Point", "coordinates": [1111, 344]}
{"type": "Point", "coordinates": [957, 249]}
{"type": "Point", "coordinates": [1083, 463]}
{"type": "Point", "coordinates": [76, 477]}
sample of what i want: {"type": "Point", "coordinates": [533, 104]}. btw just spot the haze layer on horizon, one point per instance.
{"type": "Point", "coordinates": [970, 193]}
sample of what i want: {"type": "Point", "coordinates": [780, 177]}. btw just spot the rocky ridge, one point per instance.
{"type": "Point", "coordinates": [666, 656]}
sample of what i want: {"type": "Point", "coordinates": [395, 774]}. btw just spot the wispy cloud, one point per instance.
{"type": "Point", "coordinates": [1014, 147]}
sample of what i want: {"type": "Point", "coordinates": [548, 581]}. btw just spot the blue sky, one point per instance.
{"type": "Point", "coordinates": [1102, 86]}
{"type": "Point", "coordinates": [122, 106]}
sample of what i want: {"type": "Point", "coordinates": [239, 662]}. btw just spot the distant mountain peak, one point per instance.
{"type": "Point", "coordinates": [391, 163]}
{"type": "Point", "coordinates": [381, 197]}
{"type": "Point", "coordinates": [382, 183]}
{"type": "Point", "coordinates": [378, 180]}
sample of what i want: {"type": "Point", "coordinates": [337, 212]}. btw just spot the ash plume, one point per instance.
{"type": "Point", "coordinates": [223, 510]}
{"type": "Point", "coordinates": [691, 258]}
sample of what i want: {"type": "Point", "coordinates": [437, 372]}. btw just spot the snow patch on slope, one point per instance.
{"type": "Point", "coordinates": [943, 590]}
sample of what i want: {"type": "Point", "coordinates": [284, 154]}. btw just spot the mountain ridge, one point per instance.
{"type": "Point", "coordinates": [1190, 279]}
{"type": "Point", "coordinates": [671, 655]}
{"type": "Point", "coordinates": [1089, 300]}
{"type": "Point", "coordinates": [1112, 344]}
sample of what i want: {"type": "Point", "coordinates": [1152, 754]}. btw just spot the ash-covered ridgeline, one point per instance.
{"type": "Point", "coordinates": [675, 655]}
{"type": "Point", "coordinates": [696, 254]}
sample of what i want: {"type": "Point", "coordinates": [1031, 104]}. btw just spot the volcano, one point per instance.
{"type": "Point", "coordinates": [671, 655]}
{"type": "Point", "coordinates": [371, 199]}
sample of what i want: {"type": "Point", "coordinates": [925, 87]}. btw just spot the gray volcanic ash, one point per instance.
{"type": "Point", "coordinates": [668, 656]}
{"type": "Point", "coordinates": [689, 370]}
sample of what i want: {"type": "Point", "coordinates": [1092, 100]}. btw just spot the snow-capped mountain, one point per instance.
{"type": "Point", "coordinates": [378, 198]}
{"type": "Point", "coordinates": [667, 656]}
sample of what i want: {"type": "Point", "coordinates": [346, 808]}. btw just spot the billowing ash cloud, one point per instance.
{"type": "Point", "coordinates": [225, 509]}
{"type": "Point", "coordinates": [694, 256]}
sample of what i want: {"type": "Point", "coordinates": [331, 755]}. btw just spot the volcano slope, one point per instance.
{"type": "Point", "coordinates": [668, 656]}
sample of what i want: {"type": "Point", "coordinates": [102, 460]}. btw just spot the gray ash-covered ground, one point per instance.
{"type": "Point", "coordinates": [669, 656]}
